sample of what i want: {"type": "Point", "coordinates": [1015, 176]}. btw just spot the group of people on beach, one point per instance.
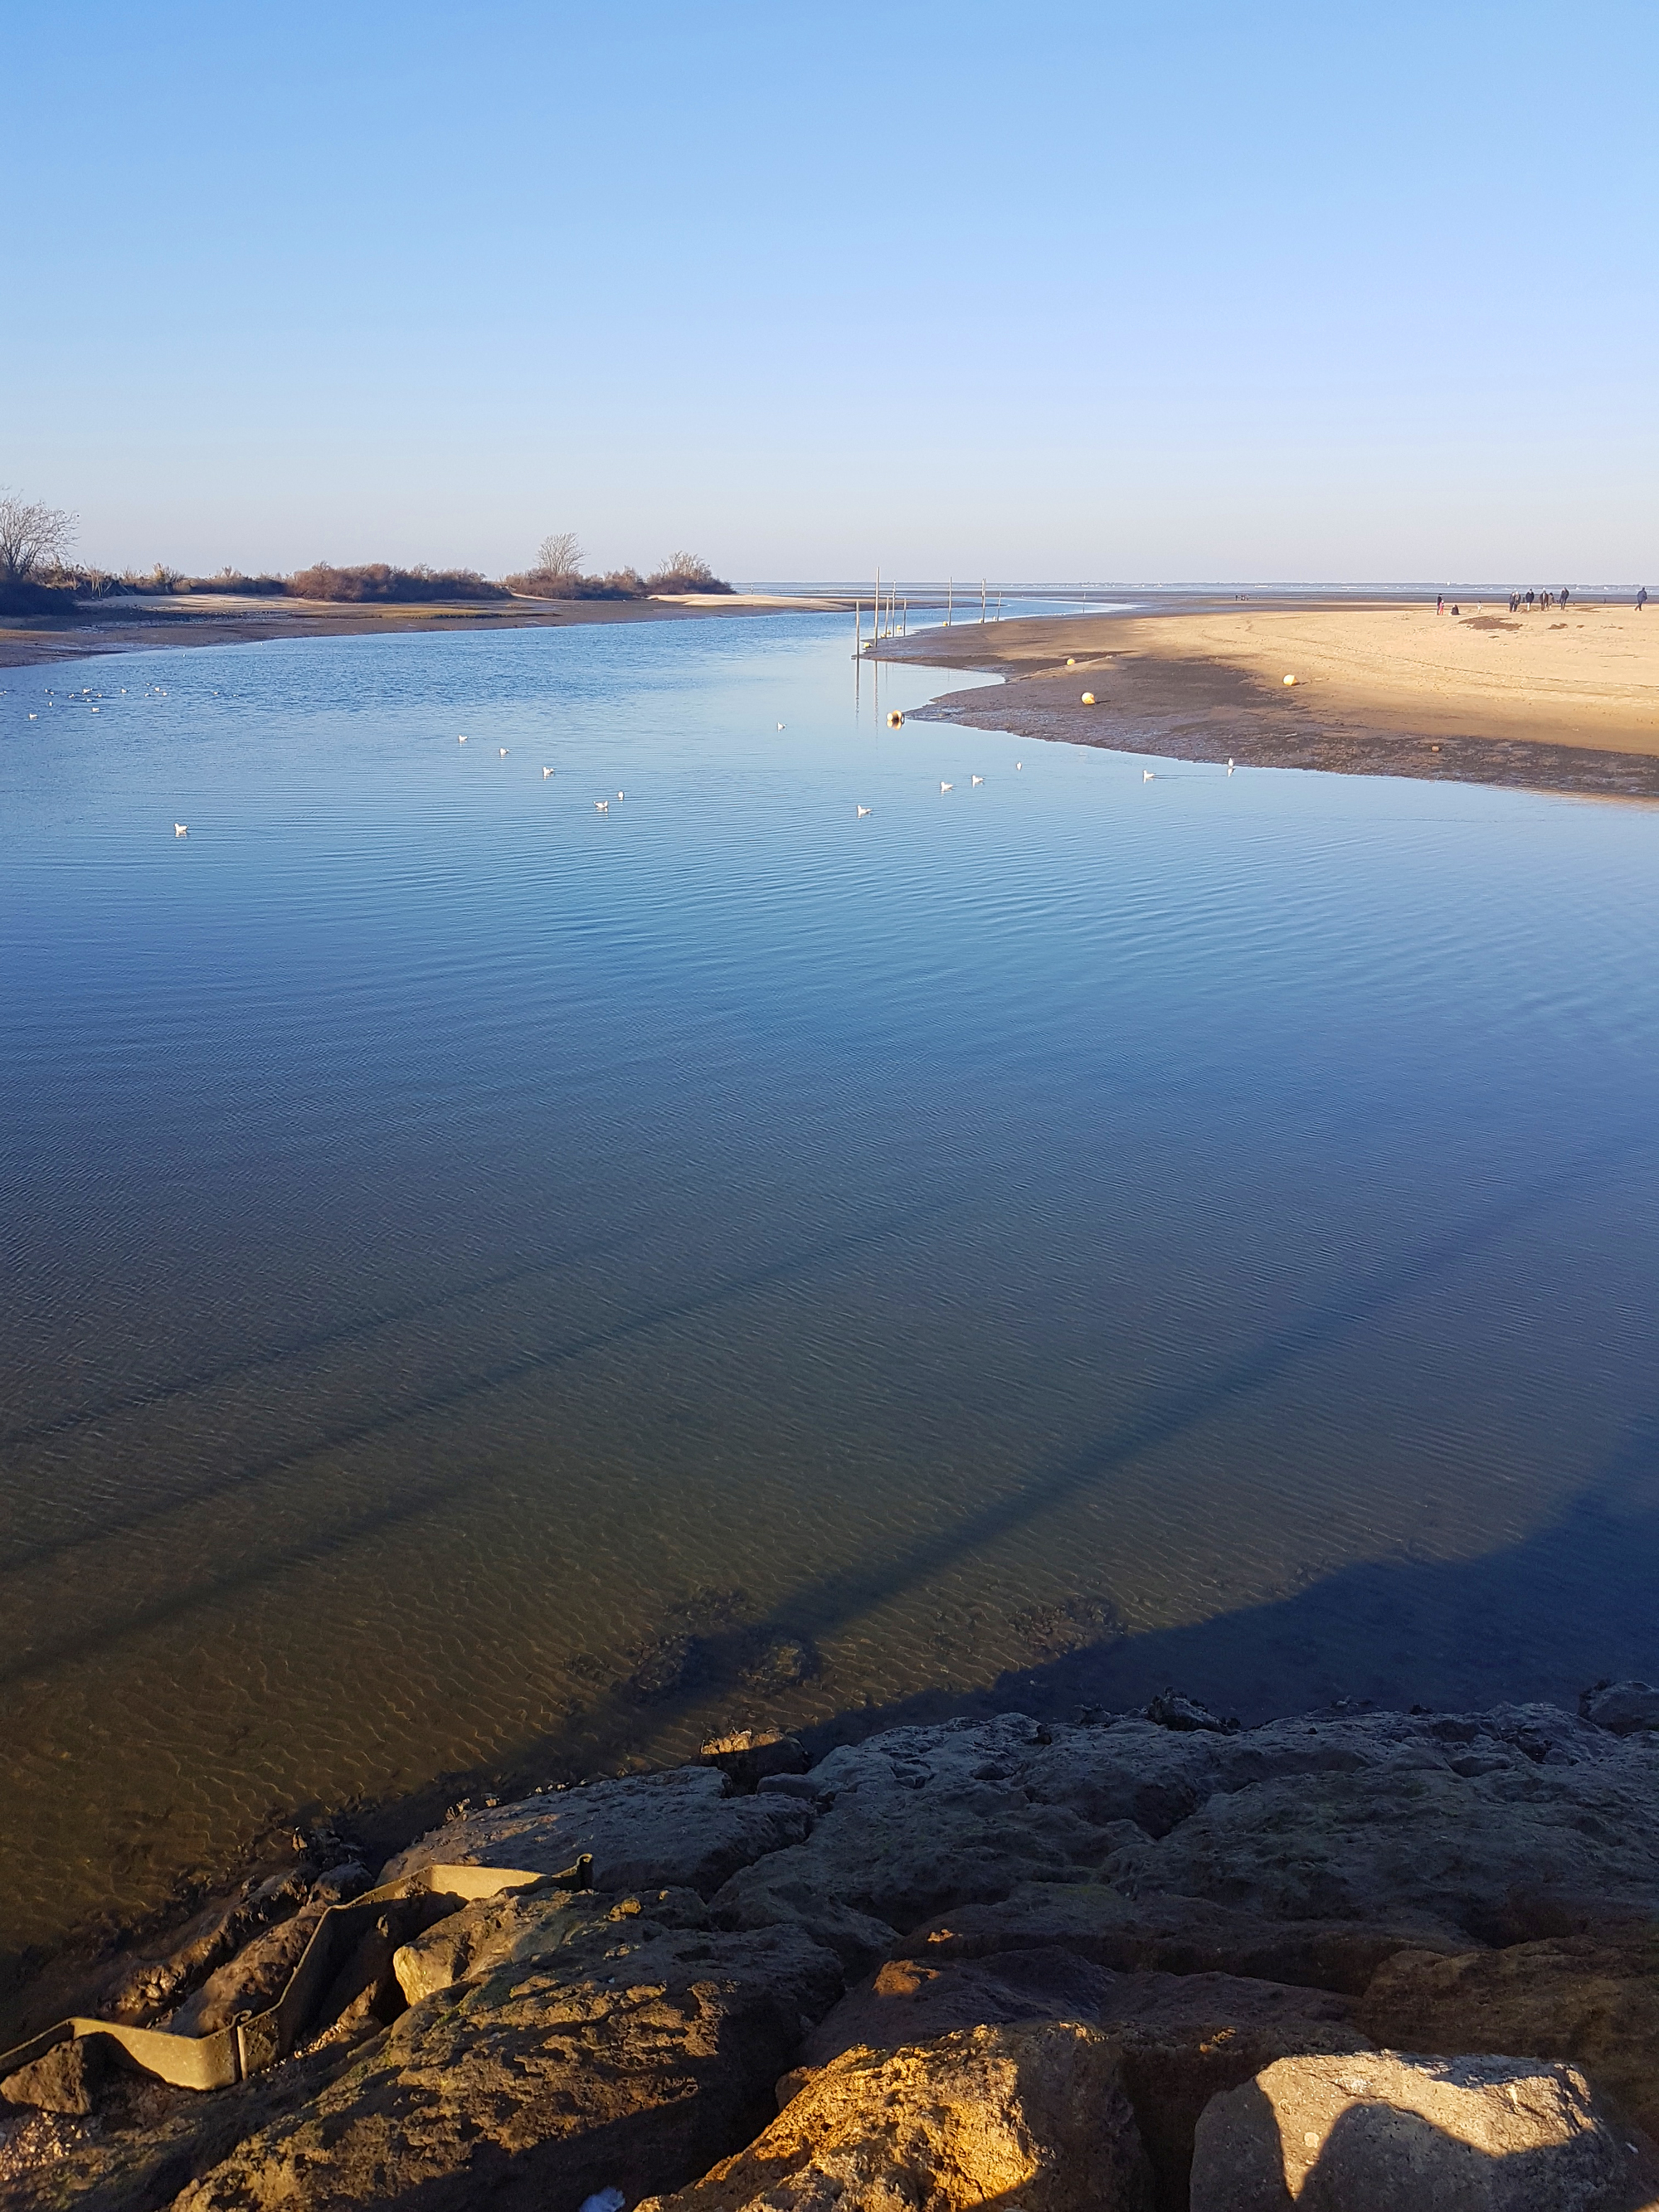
{"type": "Point", "coordinates": [1541, 600]}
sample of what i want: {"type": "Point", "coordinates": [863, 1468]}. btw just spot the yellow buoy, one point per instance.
{"type": "Point", "coordinates": [895, 719]}
{"type": "Point", "coordinates": [1071, 663]}
{"type": "Point", "coordinates": [1088, 698]}
{"type": "Point", "coordinates": [1290, 680]}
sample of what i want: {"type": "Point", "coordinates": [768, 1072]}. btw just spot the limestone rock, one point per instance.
{"type": "Point", "coordinates": [1499, 1855]}
{"type": "Point", "coordinates": [1183, 2037]}
{"type": "Point", "coordinates": [65, 2080]}
{"type": "Point", "coordinates": [535, 1924]}
{"type": "Point", "coordinates": [1621, 1708]}
{"type": "Point", "coordinates": [920, 1818]}
{"type": "Point", "coordinates": [1595, 2004]}
{"type": "Point", "coordinates": [608, 2062]}
{"type": "Point", "coordinates": [1171, 1935]}
{"type": "Point", "coordinates": [1030, 2116]}
{"type": "Point", "coordinates": [681, 1829]}
{"type": "Point", "coordinates": [254, 1978]}
{"type": "Point", "coordinates": [906, 2001]}
{"type": "Point", "coordinates": [1388, 2130]}
{"type": "Point", "coordinates": [750, 1756]}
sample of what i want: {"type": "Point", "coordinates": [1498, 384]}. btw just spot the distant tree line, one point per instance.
{"type": "Point", "coordinates": [37, 577]}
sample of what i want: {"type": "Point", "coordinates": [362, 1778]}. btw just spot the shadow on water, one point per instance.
{"type": "Point", "coordinates": [1537, 1620]}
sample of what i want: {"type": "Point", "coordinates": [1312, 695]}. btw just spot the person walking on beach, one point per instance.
{"type": "Point", "coordinates": [1564, 595]}
{"type": "Point", "coordinates": [1440, 605]}
{"type": "Point", "coordinates": [1641, 599]}
{"type": "Point", "coordinates": [1530, 596]}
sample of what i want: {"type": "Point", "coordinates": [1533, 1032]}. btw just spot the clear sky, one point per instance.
{"type": "Point", "coordinates": [1277, 290]}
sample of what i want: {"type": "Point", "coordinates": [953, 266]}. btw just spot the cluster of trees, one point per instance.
{"type": "Point", "coordinates": [557, 575]}
{"type": "Point", "coordinates": [373, 580]}
{"type": "Point", "coordinates": [36, 576]}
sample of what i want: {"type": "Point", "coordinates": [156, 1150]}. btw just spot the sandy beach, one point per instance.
{"type": "Point", "coordinates": [1563, 700]}
{"type": "Point", "coordinates": [139, 624]}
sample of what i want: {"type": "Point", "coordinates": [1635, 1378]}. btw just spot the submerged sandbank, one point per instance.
{"type": "Point", "coordinates": [142, 624]}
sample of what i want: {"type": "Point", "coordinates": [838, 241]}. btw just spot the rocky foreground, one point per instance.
{"type": "Point", "coordinates": [1351, 1960]}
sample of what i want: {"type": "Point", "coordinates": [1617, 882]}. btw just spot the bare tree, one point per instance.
{"type": "Point", "coordinates": [691, 566]}
{"type": "Point", "coordinates": [32, 537]}
{"type": "Point", "coordinates": [560, 554]}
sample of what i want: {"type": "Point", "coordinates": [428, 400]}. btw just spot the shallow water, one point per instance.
{"type": "Point", "coordinates": [491, 1282]}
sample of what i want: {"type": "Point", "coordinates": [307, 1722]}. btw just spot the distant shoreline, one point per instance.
{"type": "Point", "coordinates": [146, 624]}
{"type": "Point", "coordinates": [1566, 700]}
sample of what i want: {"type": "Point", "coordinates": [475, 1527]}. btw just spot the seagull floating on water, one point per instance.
{"type": "Point", "coordinates": [181, 830]}
{"type": "Point", "coordinates": [602, 807]}
{"type": "Point", "coordinates": [978, 779]}
{"type": "Point", "coordinates": [460, 741]}
{"type": "Point", "coordinates": [503, 753]}
{"type": "Point", "coordinates": [1019, 764]}
{"type": "Point", "coordinates": [1147, 774]}
{"type": "Point", "coordinates": [947, 787]}
{"type": "Point", "coordinates": [1230, 765]}
{"type": "Point", "coordinates": [863, 810]}
{"type": "Point", "coordinates": [546, 772]}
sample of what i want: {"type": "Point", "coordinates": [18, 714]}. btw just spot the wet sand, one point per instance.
{"type": "Point", "coordinates": [1563, 702]}
{"type": "Point", "coordinates": [142, 624]}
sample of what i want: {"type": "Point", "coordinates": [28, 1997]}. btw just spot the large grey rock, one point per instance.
{"type": "Point", "coordinates": [610, 2062]}
{"type": "Point", "coordinates": [1592, 2002]}
{"type": "Point", "coordinates": [917, 1820]}
{"type": "Point", "coordinates": [1389, 2131]}
{"type": "Point", "coordinates": [1034, 2117]}
{"type": "Point", "coordinates": [1621, 1708]}
{"type": "Point", "coordinates": [679, 1830]}
{"type": "Point", "coordinates": [1500, 1854]}
{"type": "Point", "coordinates": [1172, 1934]}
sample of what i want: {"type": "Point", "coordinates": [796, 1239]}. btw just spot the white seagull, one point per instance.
{"type": "Point", "coordinates": [602, 807]}
{"type": "Point", "coordinates": [460, 741]}
{"type": "Point", "coordinates": [181, 830]}
{"type": "Point", "coordinates": [1019, 764]}
{"type": "Point", "coordinates": [503, 753]}
{"type": "Point", "coordinates": [947, 787]}
{"type": "Point", "coordinates": [546, 772]}
{"type": "Point", "coordinates": [622, 794]}
{"type": "Point", "coordinates": [978, 779]}
{"type": "Point", "coordinates": [863, 810]}
{"type": "Point", "coordinates": [1146, 774]}
{"type": "Point", "coordinates": [1230, 766]}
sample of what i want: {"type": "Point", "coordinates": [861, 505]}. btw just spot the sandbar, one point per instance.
{"type": "Point", "coordinates": [1559, 699]}
{"type": "Point", "coordinates": [141, 623]}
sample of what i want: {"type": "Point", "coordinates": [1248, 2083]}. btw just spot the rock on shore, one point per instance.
{"type": "Point", "coordinates": [984, 1959]}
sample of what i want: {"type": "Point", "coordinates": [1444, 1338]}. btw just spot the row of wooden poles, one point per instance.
{"type": "Point", "coordinates": [891, 617]}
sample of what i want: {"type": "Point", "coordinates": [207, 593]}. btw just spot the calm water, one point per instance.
{"type": "Point", "coordinates": [491, 1282]}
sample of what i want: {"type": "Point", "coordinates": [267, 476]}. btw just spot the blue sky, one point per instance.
{"type": "Point", "coordinates": [1050, 292]}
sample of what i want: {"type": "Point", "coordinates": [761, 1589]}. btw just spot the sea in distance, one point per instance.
{"type": "Point", "coordinates": [495, 1286]}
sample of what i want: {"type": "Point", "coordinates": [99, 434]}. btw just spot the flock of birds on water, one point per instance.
{"type": "Point", "coordinates": [88, 696]}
